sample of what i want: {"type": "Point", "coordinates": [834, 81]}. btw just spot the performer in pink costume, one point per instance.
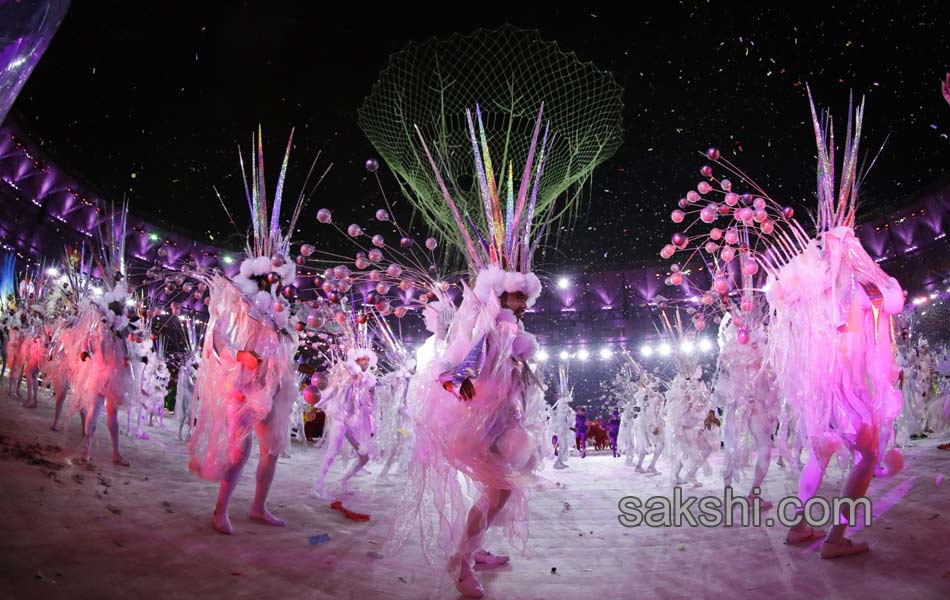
{"type": "Point", "coordinates": [103, 378]}
{"type": "Point", "coordinates": [246, 380]}
{"type": "Point", "coordinates": [476, 414]}
{"type": "Point", "coordinates": [830, 339]}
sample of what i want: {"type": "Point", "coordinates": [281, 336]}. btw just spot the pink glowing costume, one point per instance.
{"type": "Point", "coordinates": [238, 394]}
{"type": "Point", "coordinates": [479, 404]}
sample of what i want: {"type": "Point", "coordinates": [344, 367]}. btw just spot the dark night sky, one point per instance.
{"type": "Point", "coordinates": [166, 94]}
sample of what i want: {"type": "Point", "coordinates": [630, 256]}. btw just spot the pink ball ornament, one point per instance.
{"type": "Point", "coordinates": [341, 272]}
{"type": "Point", "coordinates": [207, 301]}
{"type": "Point", "coordinates": [299, 326]}
{"type": "Point", "coordinates": [431, 243]}
{"type": "Point", "coordinates": [742, 336]}
{"type": "Point", "coordinates": [382, 288]}
{"type": "Point", "coordinates": [703, 187]}
{"type": "Point", "coordinates": [746, 305]}
{"type": "Point", "coordinates": [187, 288]}
{"type": "Point", "coordinates": [300, 260]}
{"type": "Point", "coordinates": [676, 278]}
{"type": "Point", "coordinates": [750, 267]}
{"type": "Point", "coordinates": [760, 216]}
{"type": "Point", "coordinates": [788, 212]}
{"type": "Point", "coordinates": [713, 153]}
{"type": "Point", "coordinates": [382, 215]}
{"type": "Point", "coordinates": [699, 325]}
{"type": "Point", "coordinates": [277, 261]}
{"type": "Point", "coordinates": [732, 236]}
{"type": "Point", "coordinates": [668, 281]}
{"type": "Point", "coordinates": [728, 254]}
{"type": "Point", "coordinates": [708, 298]}
{"type": "Point", "coordinates": [372, 165]}
{"type": "Point", "coordinates": [361, 263]}
{"type": "Point", "coordinates": [383, 306]}
{"type": "Point", "coordinates": [677, 216]}
{"type": "Point", "coordinates": [732, 198]}
{"type": "Point", "coordinates": [706, 171]}
{"type": "Point", "coordinates": [711, 247]}
{"type": "Point", "coordinates": [707, 215]}
{"type": "Point", "coordinates": [340, 317]}
{"type": "Point", "coordinates": [354, 230]}
{"type": "Point", "coordinates": [324, 216]}
{"type": "Point", "coordinates": [344, 285]}
{"type": "Point", "coordinates": [375, 255]}
{"type": "Point", "coordinates": [680, 240]}
{"type": "Point", "coordinates": [328, 287]}
{"type": "Point", "coordinates": [405, 285]}
{"type": "Point", "coordinates": [375, 275]}
{"type": "Point", "coordinates": [400, 312]}
{"type": "Point", "coordinates": [758, 204]}
{"type": "Point", "coordinates": [721, 284]}
{"type": "Point", "coordinates": [311, 395]}
{"type": "Point", "coordinates": [667, 251]}
{"type": "Point", "coordinates": [692, 197]}
{"type": "Point", "coordinates": [197, 296]}
{"type": "Point", "coordinates": [278, 307]}
{"type": "Point", "coordinates": [379, 241]}
{"type": "Point", "coordinates": [394, 270]}
{"type": "Point", "coordinates": [405, 242]}
{"type": "Point", "coordinates": [715, 233]}
{"type": "Point", "coordinates": [767, 226]}
{"type": "Point", "coordinates": [726, 185]}
{"type": "Point", "coordinates": [745, 215]}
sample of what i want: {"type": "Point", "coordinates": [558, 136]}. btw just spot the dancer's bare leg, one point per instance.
{"type": "Point", "coordinates": [239, 451]}
{"type": "Point", "coordinates": [808, 483]}
{"type": "Point", "coordinates": [266, 468]}
{"type": "Point", "coordinates": [58, 406]}
{"type": "Point", "coordinates": [92, 419]}
{"type": "Point", "coordinates": [113, 423]}
{"type": "Point", "coordinates": [761, 429]}
{"type": "Point", "coordinates": [855, 486]}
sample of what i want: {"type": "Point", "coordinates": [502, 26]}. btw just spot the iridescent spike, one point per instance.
{"type": "Point", "coordinates": [278, 195]}
{"type": "Point", "coordinates": [509, 218]}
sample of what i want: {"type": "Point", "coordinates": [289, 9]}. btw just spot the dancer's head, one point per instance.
{"type": "Point", "coordinates": [516, 302]}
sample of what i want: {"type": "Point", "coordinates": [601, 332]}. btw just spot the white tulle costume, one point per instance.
{"type": "Point", "coordinates": [349, 403]}
{"type": "Point", "coordinates": [744, 390]}
{"type": "Point", "coordinates": [689, 442]}
{"type": "Point", "coordinates": [649, 424]}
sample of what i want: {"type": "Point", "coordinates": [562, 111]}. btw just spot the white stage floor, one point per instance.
{"type": "Point", "coordinates": [142, 532]}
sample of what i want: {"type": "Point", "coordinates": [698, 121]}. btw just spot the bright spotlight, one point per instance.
{"type": "Point", "coordinates": [96, 291]}
{"type": "Point", "coordinates": [130, 302]}
{"type": "Point", "coordinates": [541, 355]}
{"type": "Point", "coordinates": [665, 349]}
{"type": "Point", "coordinates": [564, 355]}
{"type": "Point", "coordinates": [646, 350]}
{"type": "Point", "coordinates": [686, 347]}
{"type": "Point", "coordinates": [583, 354]}
{"type": "Point", "coordinates": [606, 353]}
{"type": "Point", "coordinates": [52, 272]}
{"type": "Point", "coordinates": [705, 345]}
{"type": "Point", "coordinates": [563, 283]}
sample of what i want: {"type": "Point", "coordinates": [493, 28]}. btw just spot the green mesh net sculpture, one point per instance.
{"type": "Point", "coordinates": [509, 73]}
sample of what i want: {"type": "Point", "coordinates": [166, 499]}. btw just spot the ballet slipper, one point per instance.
{"type": "Point", "coordinates": [843, 548]}
{"type": "Point", "coordinates": [469, 586]}
{"type": "Point", "coordinates": [117, 459]}
{"type": "Point", "coordinates": [797, 537]}
{"type": "Point", "coordinates": [266, 518]}
{"type": "Point", "coordinates": [484, 557]}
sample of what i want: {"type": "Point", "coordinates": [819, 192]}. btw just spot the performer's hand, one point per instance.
{"type": "Point", "coordinates": [945, 88]}
{"type": "Point", "coordinates": [467, 390]}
